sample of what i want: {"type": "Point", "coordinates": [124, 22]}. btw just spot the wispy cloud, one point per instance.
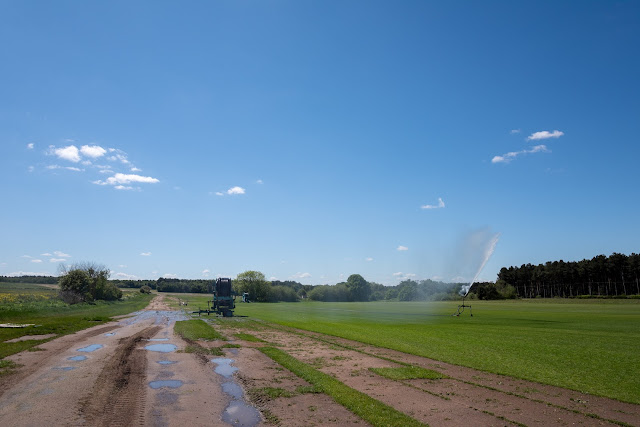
{"type": "Point", "coordinates": [46, 254]}
{"type": "Point", "coordinates": [61, 254]}
{"type": "Point", "coordinates": [70, 168]}
{"type": "Point", "coordinates": [36, 260]}
{"type": "Point", "coordinates": [146, 254]}
{"type": "Point", "coordinates": [70, 153]}
{"type": "Point", "coordinates": [30, 146]}
{"type": "Point", "coordinates": [506, 158]}
{"type": "Point", "coordinates": [206, 272]}
{"type": "Point", "coordinates": [259, 181]}
{"type": "Point", "coordinates": [120, 180]}
{"type": "Point", "coordinates": [398, 274]}
{"type": "Point", "coordinates": [301, 276]}
{"type": "Point", "coordinates": [57, 260]}
{"type": "Point", "coordinates": [402, 248]}
{"type": "Point", "coordinates": [125, 276]}
{"type": "Point", "coordinates": [513, 131]}
{"type": "Point", "coordinates": [440, 205]}
{"type": "Point", "coordinates": [93, 151]}
{"type": "Point", "coordinates": [28, 273]}
{"type": "Point", "coordinates": [170, 276]}
{"type": "Point", "coordinates": [545, 134]}
{"type": "Point", "coordinates": [369, 259]}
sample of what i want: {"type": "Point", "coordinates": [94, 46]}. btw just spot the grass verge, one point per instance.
{"type": "Point", "coordinates": [196, 329]}
{"type": "Point", "coordinates": [248, 337]}
{"type": "Point", "coordinates": [364, 406]}
{"type": "Point", "coordinates": [197, 349]}
{"type": "Point", "coordinates": [408, 373]}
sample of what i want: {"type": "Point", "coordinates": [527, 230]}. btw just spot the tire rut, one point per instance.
{"type": "Point", "coordinates": [118, 396]}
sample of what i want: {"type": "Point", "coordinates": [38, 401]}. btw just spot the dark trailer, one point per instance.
{"type": "Point", "coordinates": [223, 301]}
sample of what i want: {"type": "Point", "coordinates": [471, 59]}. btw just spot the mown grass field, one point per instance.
{"type": "Point", "coordinates": [38, 305]}
{"type": "Point", "coordinates": [587, 345]}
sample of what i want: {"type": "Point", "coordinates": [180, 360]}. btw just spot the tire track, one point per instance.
{"type": "Point", "coordinates": [118, 396]}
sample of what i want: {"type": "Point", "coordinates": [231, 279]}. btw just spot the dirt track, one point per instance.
{"type": "Point", "coordinates": [122, 383]}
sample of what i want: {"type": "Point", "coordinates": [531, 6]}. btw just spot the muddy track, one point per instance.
{"type": "Point", "coordinates": [117, 399]}
{"type": "Point", "coordinates": [40, 359]}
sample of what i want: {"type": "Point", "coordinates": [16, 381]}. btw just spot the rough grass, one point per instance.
{"type": "Point", "coordinates": [371, 410]}
{"type": "Point", "coordinates": [585, 345]}
{"type": "Point", "coordinates": [196, 329]}
{"type": "Point", "coordinates": [248, 337]}
{"type": "Point", "coordinates": [52, 316]}
{"type": "Point", "coordinates": [198, 349]}
{"type": "Point", "coordinates": [408, 373]}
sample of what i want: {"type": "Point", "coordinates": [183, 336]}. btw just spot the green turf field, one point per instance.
{"type": "Point", "coordinates": [587, 345]}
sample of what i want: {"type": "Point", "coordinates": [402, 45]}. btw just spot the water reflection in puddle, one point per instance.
{"type": "Point", "coordinates": [167, 362]}
{"type": "Point", "coordinates": [158, 339]}
{"type": "Point", "coordinates": [232, 389]}
{"type": "Point", "coordinates": [165, 383]}
{"type": "Point", "coordinates": [77, 358]}
{"type": "Point", "coordinates": [224, 367]}
{"type": "Point", "coordinates": [90, 348]}
{"type": "Point", "coordinates": [110, 334]}
{"type": "Point", "coordinates": [162, 348]}
{"type": "Point", "coordinates": [64, 368]}
{"type": "Point", "coordinates": [239, 413]}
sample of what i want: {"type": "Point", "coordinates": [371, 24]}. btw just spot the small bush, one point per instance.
{"type": "Point", "coordinates": [145, 289]}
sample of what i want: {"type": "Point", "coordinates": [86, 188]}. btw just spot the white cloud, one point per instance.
{"type": "Point", "coordinates": [272, 278]}
{"type": "Point", "coordinates": [515, 131]}
{"type": "Point", "coordinates": [368, 259]}
{"type": "Point", "coordinates": [61, 254]}
{"type": "Point", "coordinates": [301, 276]}
{"type": "Point", "coordinates": [46, 254]}
{"type": "Point", "coordinates": [545, 134]}
{"type": "Point", "coordinates": [402, 248]}
{"type": "Point", "coordinates": [122, 266]}
{"type": "Point", "coordinates": [206, 272]}
{"type": "Point", "coordinates": [69, 152]}
{"type": "Point", "coordinates": [30, 168]}
{"type": "Point", "coordinates": [57, 260]}
{"type": "Point", "coordinates": [123, 178]}
{"type": "Point", "coordinates": [506, 158]}
{"type": "Point", "coordinates": [235, 190]}
{"type": "Point", "coordinates": [440, 205]}
{"type": "Point", "coordinates": [119, 156]}
{"type": "Point", "coordinates": [93, 151]}
{"type": "Point", "coordinates": [36, 260]}
{"type": "Point", "coordinates": [30, 146]}
{"type": "Point", "coordinates": [135, 169]}
{"type": "Point", "coordinates": [25, 256]}
{"type": "Point", "coordinates": [146, 254]}
{"type": "Point", "coordinates": [126, 187]}
{"type": "Point", "coordinates": [170, 276]}
{"type": "Point", "coordinates": [28, 273]}
{"type": "Point", "coordinates": [259, 181]}
{"type": "Point", "coordinates": [125, 276]}
{"type": "Point", "coordinates": [71, 168]}
{"type": "Point", "coordinates": [219, 193]}
{"type": "Point", "coordinates": [399, 273]}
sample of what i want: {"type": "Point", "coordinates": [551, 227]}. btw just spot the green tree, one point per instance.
{"type": "Point", "coordinates": [255, 284]}
{"type": "Point", "coordinates": [86, 282]}
{"type": "Point", "coordinates": [359, 289]}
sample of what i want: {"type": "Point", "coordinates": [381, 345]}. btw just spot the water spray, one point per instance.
{"type": "Point", "coordinates": [464, 291]}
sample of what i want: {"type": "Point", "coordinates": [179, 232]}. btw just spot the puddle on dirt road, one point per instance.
{"type": "Point", "coordinates": [158, 316]}
{"type": "Point", "coordinates": [162, 348]}
{"type": "Point", "coordinates": [224, 367]}
{"type": "Point", "coordinates": [166, 362]}
{"type": "Point", "coordinates": [64, 368]}
{"type": "Point", "coordinates": [158, 339]}
{"type": "Point", "coordinates": [77, 358]}
{"type": "Point", "coordinates": [238, 413]}
{"type": "Point", "coordinates": [165, 383]}
{"type": "Point", "coordinates": [110, 334]}
{"type": "Point", "coordinates": [90, 348]}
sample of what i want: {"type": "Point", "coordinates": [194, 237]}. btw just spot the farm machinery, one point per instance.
{"type": "Point", "coordinates": [223, 301]}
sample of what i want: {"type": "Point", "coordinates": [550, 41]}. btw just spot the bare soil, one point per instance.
{"type": "Point", "coordinates": [123, 384]}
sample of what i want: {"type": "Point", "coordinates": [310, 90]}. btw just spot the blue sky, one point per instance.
{"type": "Point", "coordinates": [311, 140]}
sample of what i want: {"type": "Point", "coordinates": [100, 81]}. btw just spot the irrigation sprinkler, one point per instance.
{"type": "Point", "coordinates": [463, 306]}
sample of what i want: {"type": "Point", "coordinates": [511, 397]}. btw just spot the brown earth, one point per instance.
{"type": "Point", "coordinates": [122, 383]}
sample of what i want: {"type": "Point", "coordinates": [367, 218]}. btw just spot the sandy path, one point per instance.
{"type": "Point", "coordinates": [112, 385]}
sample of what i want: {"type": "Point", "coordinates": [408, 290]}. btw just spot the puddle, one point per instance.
{"type": "Point", "coordinates": [165, 383]}
{"type": "Point", "coordinates": [224, 367]}
{"type": "Point", "coordinates": [90, 348]}
{"type": "Point", "coordinates": [158, 339]}
{"type": "Point", "coordinates": [239, 413]}
{"type": "Point", "coordinates": [233, 390]}
{"type": "Point", "coordinates": [158, 316]}
{"type": "Point", "coordinates": [110, 334]}
{"type": "Point", "coordinates": [167, 362]}
{"type": "Point", "coordinates": [162, 348]}
{"type": "Point", "coordinates": [65, 368]}
{"type": "Point", "coordinates": [77, 358]}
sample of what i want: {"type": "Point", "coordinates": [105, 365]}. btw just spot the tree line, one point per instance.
{"type": "Point", "coordinates": [614, 276]}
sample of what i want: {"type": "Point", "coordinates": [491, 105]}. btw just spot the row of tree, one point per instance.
{"type": "Point", "coordinates": [615, 275]}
